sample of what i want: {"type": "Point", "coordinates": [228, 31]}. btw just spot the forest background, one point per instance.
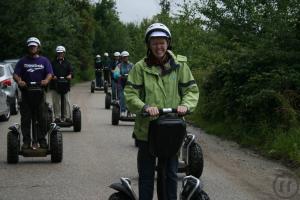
{"type": "Point", "coordinates": [244, 54]}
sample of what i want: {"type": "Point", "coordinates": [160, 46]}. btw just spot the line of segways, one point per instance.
{"type": "Point", "coordinates": [52, 129]}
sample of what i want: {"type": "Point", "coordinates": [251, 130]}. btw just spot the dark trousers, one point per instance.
{"type": "Point", "coordinates": [146, 169]}
{"type": "Point", "coordinates": [106, 74]}
{"type": "Point", "coordinates": [98, 79]}
{"type": "Point", "coordinates": [114, 88]}
{"type": "Point", "coordinates": [27, 108]}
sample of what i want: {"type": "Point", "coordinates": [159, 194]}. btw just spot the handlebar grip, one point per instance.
{"type": "Point", "coordinates": [164, 111]}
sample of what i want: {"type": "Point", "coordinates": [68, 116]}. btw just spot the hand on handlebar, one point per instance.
{"type": "Point", "coordinates": [44, 82]}
{"type": "Point", "coordinates": [153, 111]}
{"type": "Point", "coordinates": [182, 110]}
{"type": "Point", "coordinates": [69, 77]}
{"type": "Point", "coordinates": [22, 83]}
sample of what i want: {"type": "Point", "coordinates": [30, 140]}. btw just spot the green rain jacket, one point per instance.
{"type": "Point", "coordinates": [146, 86]}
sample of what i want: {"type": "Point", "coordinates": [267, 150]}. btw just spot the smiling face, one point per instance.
{"type": "Point", "coordinates": [158, 46]}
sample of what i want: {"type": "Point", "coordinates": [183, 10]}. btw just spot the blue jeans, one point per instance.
{"type": "Point", "coordinates": [122, 98]}
{"type": "Point", "coordinates": [146, 169]}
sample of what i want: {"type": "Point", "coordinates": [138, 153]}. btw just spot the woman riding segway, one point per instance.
{"type": "Point", "coordinates": [159, 80]}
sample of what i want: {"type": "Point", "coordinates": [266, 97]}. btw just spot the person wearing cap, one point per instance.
{"type": "Point", "coordinates": [61, 68]}
{"type": "Point", "coordinates": [32, 68]}
{"type": "Point", "coordinates": [98, 70]}
{"type": "Point", "coordinates": [106, 68]}
{"type": "Point", "coordinates": [115, 61]}
{"type": "Point", "coordinates": [159, 80]}
{"type": "Point", "coordinates": [120, 73]}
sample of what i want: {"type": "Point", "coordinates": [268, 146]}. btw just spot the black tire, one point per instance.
{"type": "Point", "coordinates": [196, 163]}
{"type": "Point", "coordinates": [49, 117]}
{"type": "Point", "coordinates": [13, 147]}
{"type": "Point", "coordinates": [92, 87]}
{"type": "Point", "coordinates": [56, 147]}
{"type": "Point", "coordinates": [76, 120]}
{"type": "Point", "coordinates": [107, 100]}
{"type": "Point", "coordinates": [105, 87]}
{"type": "Point", "coordinates": [14, 108]}
{"type": "Point", "coordinates": [5, 117]}
{"type": "Point", "coordinates": [115, 115]}
{"type": "Point", "coordinates": [118, 196]}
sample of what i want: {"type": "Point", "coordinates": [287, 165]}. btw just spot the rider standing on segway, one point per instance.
{"type": "Point", "coordinates": [113, 64]}
{"type": "Point", "coordinates": [106, 68]}
{"type": "Point", "coordinates": [32, 68]}
{"type": "Point", "coordinates": [61, 68]}
{"type": "Point", "coordinates": [159, 80]}
{"type": "Point", "coordinates": [121, 73]}
{"type": "Point", "coordinates": [98, 70]}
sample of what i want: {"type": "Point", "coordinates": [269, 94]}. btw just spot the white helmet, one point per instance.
{"type": "Point", "coordinates": [105, 54]}
{"type": "Point", "coordinates": [157, 30]}
{"type": "Point", "coordinates": [98, 56]}
{"type": "Point", "coordinates": [117, 54]}
{"type": "Point", "coordinates": [60, 49]}
{"type": "Point", "coordinates": [33, 41]}
{"type": "Point", "coordinates": [124, 53]}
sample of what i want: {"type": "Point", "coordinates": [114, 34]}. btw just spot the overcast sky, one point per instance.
{"type": "Point", "coordinates": [136, 10]}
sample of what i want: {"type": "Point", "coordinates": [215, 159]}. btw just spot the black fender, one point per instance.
{"type": "Point", "coordinates": [115, 103]}
{"type": "Point", "coordinates": [125, 188]}
{"type": "Point", "coordinates": [15, 128]}
{"type": "Point", "coordinates": [188, 140]}
{"type": "Point", "coordinates": [76, 107]}
{"type": "Point", "coordinates": [53, 128]}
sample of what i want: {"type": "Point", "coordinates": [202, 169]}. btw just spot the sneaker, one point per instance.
{"type": "Point", "coordinates": [43, 144]}
{"type": "Point", "coordinates": [25, 146]}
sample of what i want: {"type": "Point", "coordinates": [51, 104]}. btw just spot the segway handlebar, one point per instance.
{"type": "Point", "coordinates": [163, 111]}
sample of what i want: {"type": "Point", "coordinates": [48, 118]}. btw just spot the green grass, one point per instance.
{"type": "Point", "coordinates": [275, 144]}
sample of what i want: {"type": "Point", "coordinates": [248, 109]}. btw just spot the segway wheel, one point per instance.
{"type": "Point", "coordinates": [92, 87]}
{"type": "Point", "coordinates": [56, 147]}
{"type": "Point", "coordinates": [105, 87]}
{"type": "Point", "coordinates": [118, 196]}
{"type": "Point", "coordinates": [107, 100]}
{"type": "Point", "coordinates": [13, 147]}
{"type": "Point", "coordinates": [76, 120]}
{"type": "Point", "coordinates": [195, 167]}
{"type": "Point", "coordinates": [14, 106]}
{"type": "Point", "coordinates": [49, 117]}
{"type": "Point", "coordinates": [115, 115]}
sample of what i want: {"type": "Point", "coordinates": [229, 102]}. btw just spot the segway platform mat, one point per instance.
{"type": "Point", "coordinates": [64, 124]}
{"type": "Point", "coordinates": [39, 152]}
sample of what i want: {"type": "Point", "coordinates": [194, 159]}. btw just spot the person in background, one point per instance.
{"type": "Point", "coordinates": [98, 70]}
{"type": "Point", "coordinates": [32, 68]}
{"type": "Point", "coordinates": [61, 68]}
{"type": "Point", "coordinates": [121, 73]}
{"type": "Point", "coordinates": [159, 80]}
{"type": "Point", "coordinates": [115, 61]}
{"type": "Point", "coordinates": [106, 68]}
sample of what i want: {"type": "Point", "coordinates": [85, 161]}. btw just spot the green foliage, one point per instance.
{"type": "Point", "coordinates": [244, 56]}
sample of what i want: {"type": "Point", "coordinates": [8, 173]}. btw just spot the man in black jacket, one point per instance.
{"type": "Point", "coordinates": [61, 68]}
